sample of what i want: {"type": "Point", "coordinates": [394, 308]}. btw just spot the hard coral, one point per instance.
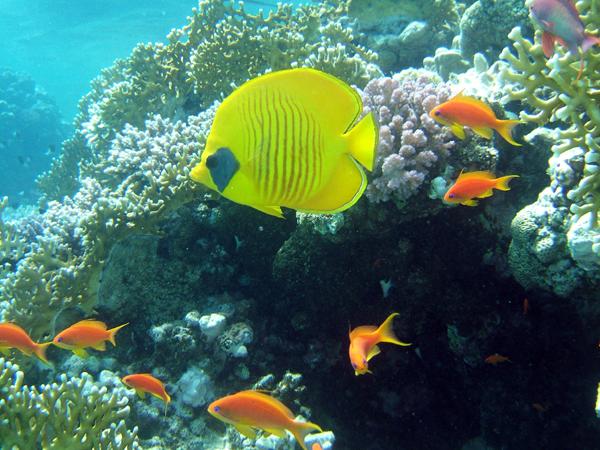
{"type": "Point", "coordinates": [143, 177]}
{"type": "Point", "coordinates": [551, 92]}
{"type": "Point", "coordinates": [412, 146]}
{"type": "Point", "coordinates": [73, 413]}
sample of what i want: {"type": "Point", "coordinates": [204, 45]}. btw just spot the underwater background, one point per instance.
{"type": "Point", "coordinates": [105, 111]}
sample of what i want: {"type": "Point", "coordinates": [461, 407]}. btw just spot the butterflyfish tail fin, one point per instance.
{"type": "Point", "coordinates": [113, 331]}
{"type": "Point", "coordinates": [40, 352]}
{"type": "Point", "coordinates": [362, 141]}
{"type": "Point", "coordinates": [502, 182]}
{"type": "Point", "coordinates": [302, 429]}
{"type": "Point", "coordinates": [505, 127]}
{"type": "Point", "coordinates": [386, 332]}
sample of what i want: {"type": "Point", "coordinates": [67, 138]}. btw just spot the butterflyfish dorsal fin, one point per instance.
{"type": "Point", "coordinates": [304, 87]}
{"type": "Point", "coordinates": [92, 323]}
{"type": "Point", "coordinates": [480, 174]}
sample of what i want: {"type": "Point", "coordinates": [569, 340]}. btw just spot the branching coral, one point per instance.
{"type": "Point", "coordinates": [70, 414]}
{"type": "Point", "coordinates": [143, 178]}
{"type": "Point", "coordinates": [411, 144]}
{"type": "Point", "coordinates": [221, 47]}
{"type": "Point", "coordinates": [552, 95]}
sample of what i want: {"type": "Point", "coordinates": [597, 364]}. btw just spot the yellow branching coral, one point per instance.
{"type": "Point", "coordinates": [551, 89]}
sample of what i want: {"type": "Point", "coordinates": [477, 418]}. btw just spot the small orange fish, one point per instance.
{"type": "Point", "coordinates": [462, 110]}
{"type": "Point", "coordinates": [496, 358]}
{"type": "Point", "coordinates": [13, 336]}
{"type": "Point", "coordinates": [84, 334]}
{"type": "Point", "coordinates": [364, 340]}
{"type": "Point", "coordinates": [539, 407]}
{"type": "Point", "coordinates": [145, 382]}
{"type": "Point", "coordinates": [316, 446]}
{"type": "Point", "coordinates": [250, 410]}
{"type": "Point", "coordinates": [479, 184]}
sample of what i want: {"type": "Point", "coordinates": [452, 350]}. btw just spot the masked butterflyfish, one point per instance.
{"type": "Point", "coordinates": [290, 138]}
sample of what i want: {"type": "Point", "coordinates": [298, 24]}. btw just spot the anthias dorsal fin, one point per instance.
{"type": "Point", "coordinates": [485, 174]}
{"type": "Point", "coordinates": [570, 4]}
{"type": "Point", "coordinates": [92, 323]}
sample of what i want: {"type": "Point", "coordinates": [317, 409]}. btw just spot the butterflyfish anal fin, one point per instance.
{"type": "Point", "coordinates": [484, 132]}
{"type": "Point", "coordinates": [458, 131]}
{"type": "Point", "coordinates": [347, 184]}
{"type": "Point", "coordinates": [245, 430]}
{"type": "Point", "coordinates": [375, 350]}
{"type": "Point", "coordinates": [270, 210]}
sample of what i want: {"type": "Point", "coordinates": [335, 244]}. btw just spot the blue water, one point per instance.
{"type": "Point", "coordinates": [64, 44]}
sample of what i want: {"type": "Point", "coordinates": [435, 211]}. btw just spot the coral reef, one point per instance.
{"type": "Point", "coordinates": [221, 47]}
{"type": "Point", "coordinates": [73, 413]}
{"type": "Point", "coordinates": [553, 96]}
{"type": "Point", "coordinates": [403, 32]}
{"type": "Point", "coordinates": [139, 183]}
{"type": "Point", "coordinates": [484, 26]}
{"type": "Point", "coordinates": [31, 130]}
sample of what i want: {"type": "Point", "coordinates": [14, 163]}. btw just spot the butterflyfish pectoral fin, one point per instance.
{"type": "Point", "coordinates": [484, 132]}
{"type": "Point", "coordinates": [276, 432]}
{"type": "Point", "coordinates": [245, 430]}
{"type": "Point", "coordinates": [347, 184]}
{"type": "Point", "coordinates": [458, 130]}
{"type": "Point", "coordinates": [470, 203]}
{"type": "Point", "coordinates": [81, 352]}
{"type": "Point", "coordinates": [270, 210]}
{"type": "Point", "coordinates": [375, 350]}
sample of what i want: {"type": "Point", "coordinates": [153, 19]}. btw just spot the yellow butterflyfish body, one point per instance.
{"type": "Point", "coordinates": [290, 138]}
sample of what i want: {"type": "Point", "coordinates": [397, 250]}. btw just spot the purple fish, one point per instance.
{"type": "Point", "coordinates": [561, 22]}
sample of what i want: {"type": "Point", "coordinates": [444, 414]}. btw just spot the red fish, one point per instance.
{"type": "Point", "coordinates": [496, 358]}
{"type": "Point", "coordinates": [250, 410]}
{"type": "Point", "coordinates": [84, 334]}
{"type": "Point", "coordinates": [364, 340]}
{"type": "Point", "coordinates": [560, 22]}
{"type": "Point", "coordinates": [13, 336]}
{"type": "Point", "coordinates": [462, 110]}
{"type": "Point", "coordinates": [471, 185]}
{"type": "Point", "coordinates": [145, 382]}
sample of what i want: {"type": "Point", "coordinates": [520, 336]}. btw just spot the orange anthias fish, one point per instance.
{"type": "Point", "coordinates": [145, 382]}
{"type": "Point", "coordinates": [462, 110]}
{"type": "Point", "coordinates": [13, 336]}
{"type": "Point", "coordinates": [560, 21]}
{"type": "Point", "coordinates": [364, 340]}
{"type": "Point", "coordinates": [478, 184]}
{"type": "Point", "coordinates": [84, 334]}
{"type": "Point", "coordinates": [496, 358]}
{"type": "Point", "coordinates": [250, 410]}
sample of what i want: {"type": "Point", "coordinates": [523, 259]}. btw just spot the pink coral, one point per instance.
{"type": "Point", "coordinates": [412, 147]}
